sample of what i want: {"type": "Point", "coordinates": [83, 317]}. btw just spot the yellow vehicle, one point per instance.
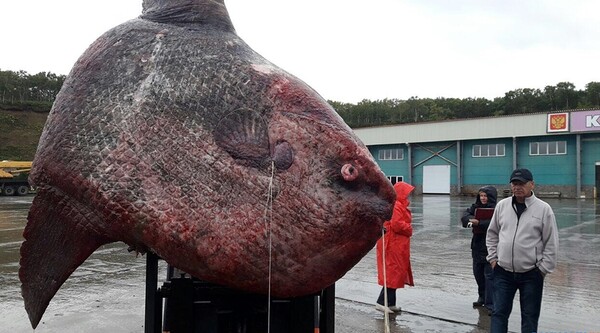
{"type": "Point", "coordinates": [13, 177]}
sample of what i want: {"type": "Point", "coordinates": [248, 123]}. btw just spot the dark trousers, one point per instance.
{"type": "Point", "coordinates": [484, 276]}
{"type": "Point", "coordinates": [530, 286]}
{"type": "Point", "coordinates": [489, 286]}
{"type": "Point", "coordinates": [391, 297]}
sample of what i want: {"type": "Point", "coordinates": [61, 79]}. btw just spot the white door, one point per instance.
{"type": "Point", "coordinates": [436, 179]}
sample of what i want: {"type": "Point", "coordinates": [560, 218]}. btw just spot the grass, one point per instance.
{"type": "Point", "coordinates": [20, 133]}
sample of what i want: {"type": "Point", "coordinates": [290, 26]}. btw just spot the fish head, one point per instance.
{"type": "Point", "coordinates": [327, 200]}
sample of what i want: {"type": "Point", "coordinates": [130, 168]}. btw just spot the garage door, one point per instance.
{"type": "Point", "coordinates": [436, 179]}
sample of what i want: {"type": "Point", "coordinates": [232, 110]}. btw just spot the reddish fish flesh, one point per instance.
{"type": "Point", "coordinates": [173, 136]}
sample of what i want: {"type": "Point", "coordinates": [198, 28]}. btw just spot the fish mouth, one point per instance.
{"type": "Point", "coordinates": [377, 210]}
{"type": "Point", "coordinates": [386, 210]}
{"type": "Point", "coordinates": [388, 198]}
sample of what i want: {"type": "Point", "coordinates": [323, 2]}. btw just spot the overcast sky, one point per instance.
{"type": "Point", "coordinates": [349, 50]}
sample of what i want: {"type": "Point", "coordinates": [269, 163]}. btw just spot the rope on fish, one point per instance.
{"type": "Point", "coordinates": [386, 315]}
{"type": "Point", "coordinates": [268, 219]}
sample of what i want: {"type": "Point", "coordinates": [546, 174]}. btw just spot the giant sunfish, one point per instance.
{"type": "Point", "coordinates": [172, 135]}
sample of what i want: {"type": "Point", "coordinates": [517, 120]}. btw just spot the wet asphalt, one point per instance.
{"type": "Point", "coordinates": [107, 293]}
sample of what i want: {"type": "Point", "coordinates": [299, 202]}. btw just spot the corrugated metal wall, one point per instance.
{"type": "Point", "coordinates": [451, 143]}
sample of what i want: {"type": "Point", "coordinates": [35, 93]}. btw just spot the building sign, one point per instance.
{"type": "Point", "coordinates": [558, 122]}
{"type": "Point", "coordinates": [585, 121]}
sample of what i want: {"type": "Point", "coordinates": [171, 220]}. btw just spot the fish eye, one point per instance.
{"type": "Point", "coordinates": [349, 172]}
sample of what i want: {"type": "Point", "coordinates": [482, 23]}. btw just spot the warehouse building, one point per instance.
{"type": "Point", "coordinates": [562, 149]}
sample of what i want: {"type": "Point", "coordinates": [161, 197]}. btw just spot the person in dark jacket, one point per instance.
{"type": "Point", "coordinates": [482, 270]}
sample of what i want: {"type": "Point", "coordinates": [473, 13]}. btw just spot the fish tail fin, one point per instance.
{"type": "Point", "coordinates": [58, 238]}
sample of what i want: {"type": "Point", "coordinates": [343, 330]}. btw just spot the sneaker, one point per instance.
{"type": "Point", "coordinates": [382, 308]}
{"type": "Point", "coordinates": [479, 302]}
{"type": "Point", "coordinates": [395, 308]}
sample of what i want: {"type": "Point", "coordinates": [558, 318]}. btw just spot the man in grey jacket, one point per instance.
{"type": "Point", "coordinates": [522, 242]}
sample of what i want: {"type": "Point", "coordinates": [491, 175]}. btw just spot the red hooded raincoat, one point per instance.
{"type": "Point", "coordinates": [397, 242]}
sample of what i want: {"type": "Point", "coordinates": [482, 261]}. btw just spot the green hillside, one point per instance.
{"type": "Point", "coordinates": [19, 134]}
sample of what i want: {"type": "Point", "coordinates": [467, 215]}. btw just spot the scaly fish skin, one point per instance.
{"type": "Point", "coordinates": [172, 135]}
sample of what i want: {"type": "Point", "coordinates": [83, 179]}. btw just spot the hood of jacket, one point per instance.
{"type": "Point", "coordinates": [403, 190]}
{"type": "Point", "coordinates": [492, 195]}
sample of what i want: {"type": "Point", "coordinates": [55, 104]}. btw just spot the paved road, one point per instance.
{"type": "Point", "coordinates": [445, 288]}
{"type": "Point", "coordinates": [106, 294]}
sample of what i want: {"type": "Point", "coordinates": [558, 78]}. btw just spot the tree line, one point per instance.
{"type": "Point", "coordinates": [22, 91]}
{"type": "Point", "coordinates": [562, 96]}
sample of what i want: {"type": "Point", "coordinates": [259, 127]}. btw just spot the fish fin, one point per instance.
{"type": "Point", "coordinates": [244, 134]}
{"type": "Point", "coordinates": [58, 238]}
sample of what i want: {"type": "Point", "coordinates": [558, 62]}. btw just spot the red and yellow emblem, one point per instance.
{"type": "Point", "coordinates": [558, 122]}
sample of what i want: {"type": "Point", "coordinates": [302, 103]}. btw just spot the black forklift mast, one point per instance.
{"type": "Point", "coordinates": [195, 306]}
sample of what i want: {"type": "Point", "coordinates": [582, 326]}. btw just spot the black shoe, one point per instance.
{"type": "Point", "coordinates": [479, 302]}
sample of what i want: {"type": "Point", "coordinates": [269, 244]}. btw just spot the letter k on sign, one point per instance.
{"type": "Point", "coordinates": [592, 121]}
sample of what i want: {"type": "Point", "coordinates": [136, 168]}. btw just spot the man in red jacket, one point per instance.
{"type": "Point", "coordinates": [395, 247]}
